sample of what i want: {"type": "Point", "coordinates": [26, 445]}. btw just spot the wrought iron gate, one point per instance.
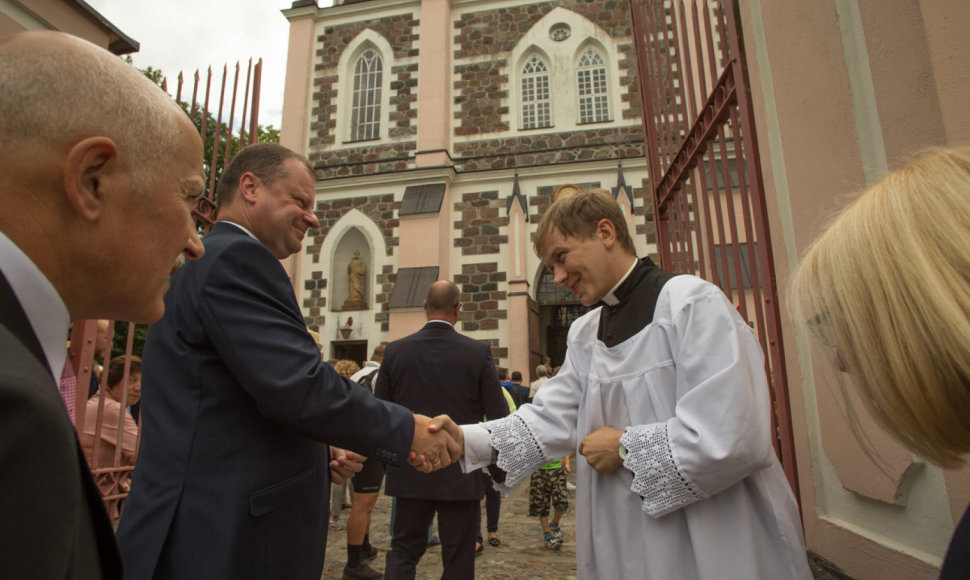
{"type": "Point", "coordinates": [707, 188]}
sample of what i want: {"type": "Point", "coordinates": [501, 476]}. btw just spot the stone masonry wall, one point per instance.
{"type": "Point", "coordinates": [527, 150]}
{"type": "Point", "coordinates": [477, 232]}
{"type": "Point", "coordinates": [368, 157]}
{"type": "Point", "coordinates": [382, 209]}
{"type": "Point", "coordinates": [480, 88]}
{"type": "Point", "coordinates": [479, 91]}
{"type": "Point", "coordinates": [481, 299]}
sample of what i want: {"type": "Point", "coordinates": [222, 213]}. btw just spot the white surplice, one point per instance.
{"type": "Point", "coordinates": [701, 493]}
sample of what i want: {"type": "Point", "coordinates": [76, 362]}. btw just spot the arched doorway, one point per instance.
{"type": "Point", "coordinates": [558, 308]}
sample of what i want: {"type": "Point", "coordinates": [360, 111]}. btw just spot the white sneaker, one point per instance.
{"type": "Point", "coordinates": [570, 486]}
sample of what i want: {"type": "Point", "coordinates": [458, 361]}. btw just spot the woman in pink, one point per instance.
{"type": "Point", "coordinates": [104, 417]}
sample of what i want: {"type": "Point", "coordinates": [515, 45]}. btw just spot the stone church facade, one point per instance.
{"type": "Point", "coordinates": [440, 131]}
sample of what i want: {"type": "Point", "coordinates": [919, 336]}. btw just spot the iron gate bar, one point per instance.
{"type": "Point", "coordinates": [753, 165]}
{"type": "Point", "coordinates": [689, 142]}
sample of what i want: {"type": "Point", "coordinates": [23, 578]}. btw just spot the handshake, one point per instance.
{"type": "Point", "coordinates": [437, 443]}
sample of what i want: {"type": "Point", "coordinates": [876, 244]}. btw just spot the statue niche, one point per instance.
{"type": "Point", "coordinates": [356, 277]}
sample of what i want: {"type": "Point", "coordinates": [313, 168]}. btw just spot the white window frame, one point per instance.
{"type": "Point", "coordinates": [365, 110]}
{"type": "Point", "coordinates": [535, 93]}
{"type": "Point", "coordinates": [592, 86]}
{"type": "Point", "coordinates": [344, 101]}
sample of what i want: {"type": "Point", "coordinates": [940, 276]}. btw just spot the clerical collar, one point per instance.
{"type": "Point", "coordinates": [610, 299]}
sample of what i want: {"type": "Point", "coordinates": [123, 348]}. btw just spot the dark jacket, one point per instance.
{"type": "Point", "coordinates": [433, 371]}
{"type": "Point", "coordinates": [232, 474]}
{"type": "Point", "coordinates": [53, 520]}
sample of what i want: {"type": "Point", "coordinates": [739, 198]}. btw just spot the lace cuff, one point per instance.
{"type": "Point", "coordinates": [656, 477]}
{"type": "Point", "coordinates": [518, 451]}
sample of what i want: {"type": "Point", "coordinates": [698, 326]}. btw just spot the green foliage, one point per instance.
{"type": "Point", "coordinates": [264, 134]}
{"type": "Point", "coordinates": [120, 340]}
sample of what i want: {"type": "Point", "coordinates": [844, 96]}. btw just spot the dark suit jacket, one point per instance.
{"type": "Point", "coordinates": [232, 474]}
{"type": "Point", "coordinates": [433, 371]}
{"type": "Point", "coordinates": [52, 520]}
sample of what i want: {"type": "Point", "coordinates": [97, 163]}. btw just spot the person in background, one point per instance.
{"type": "Point", "coordinates": [493, 500]}
{"type": "Point", "coordinates": [886, 289]}
{"type": "Point", "coordinates": [367, 484]}
{"type": "Point", "coordinates": [548, 486]}
{"type": "Point", "coordinates": [547, 362]}
{"type": "Point", "coordinates": [99, 170]}
{"type": "Point", "coordinates": [432, 371]}
{"type": "Point", "coordinates": [340, 492]}
{"type": "Point", "coordinates": [99, 438]}
{"type": "Point", "coordinates": [101, 346]}
{"type": "Point", "coordinates": [515, 385]}
{"type": "Point", "coordinates": [542, 372]}
{"type": "Point", "coordinates": [663, 392]}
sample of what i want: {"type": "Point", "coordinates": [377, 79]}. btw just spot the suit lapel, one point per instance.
{"type": "Point", "coordinates": [12, 316]}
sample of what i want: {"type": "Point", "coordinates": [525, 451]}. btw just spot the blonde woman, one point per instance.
{"type": "Point", "coordinates": [887, 287]}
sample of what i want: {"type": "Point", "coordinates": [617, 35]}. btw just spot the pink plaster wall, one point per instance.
{"type": "Point", "coordinates": [812, 158]}
{"type": "Point", "coordinates": [420, 244]}
{"type": "Point", "coordinates": [434, 106]}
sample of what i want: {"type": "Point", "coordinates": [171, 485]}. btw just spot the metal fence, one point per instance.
{"type": "Point", "coordinates": [707, 188]}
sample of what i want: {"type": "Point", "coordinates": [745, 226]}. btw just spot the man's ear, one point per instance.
{"type": "Point", "coordinates": [248, 184]}
{"type": "Point", "coordinates": [606, 232]}
{"type": "Point", "coordinates": [90, 167]}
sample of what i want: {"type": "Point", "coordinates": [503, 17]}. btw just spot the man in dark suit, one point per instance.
{"type": "Point", "coordinates": [438, 371]}
{"type": "Point", "coordinates": [233, 470]}
{"type": "Point", "coordinates": [98, 170]}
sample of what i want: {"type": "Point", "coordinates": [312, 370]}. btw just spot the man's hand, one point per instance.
{"type": "Point", "coordinates": [448, 424]}
{"type": "Point", "coordinates": [431, 450]}
{"type": "Point", "coordinates": [601, 449]}
{"type": "Point", "coordinates": [344, 464]}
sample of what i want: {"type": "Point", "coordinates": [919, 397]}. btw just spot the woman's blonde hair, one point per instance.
{"type": "Point", "coordinates": [346, 368]}
{"type": "Point", "coordinates": [888, 285]}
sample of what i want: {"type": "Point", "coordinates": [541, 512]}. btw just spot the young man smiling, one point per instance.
{"type": "Point", "coordinates": [663, 392]}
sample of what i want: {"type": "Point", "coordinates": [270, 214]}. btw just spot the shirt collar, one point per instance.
{"type": "Point", "coordinates": [243, 228]}
{"type": "Point", "coordinates": [441, 322]}
{"type": "Point", "coordinates": [610, 299]}
{"type": "Point", "coordinates": [40, 301]}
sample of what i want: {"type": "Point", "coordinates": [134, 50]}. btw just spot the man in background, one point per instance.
{"type": "Point", "coordinates": [543, 373]}
{"type": "Point", "coordinates": [433, 371]}
{"type": "Point", "coordinates": [233, 471]}
{"type": "Point", "coordinates": [99, 170]}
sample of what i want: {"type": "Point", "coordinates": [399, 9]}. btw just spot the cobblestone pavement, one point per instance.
{"type": "Point", "coordinates": [522, 555]}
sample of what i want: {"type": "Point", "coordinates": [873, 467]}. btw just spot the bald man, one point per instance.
{"type": "Point", "coordinates": [433, 371]}
{"type": "Point", "coordinates": [99, 170]}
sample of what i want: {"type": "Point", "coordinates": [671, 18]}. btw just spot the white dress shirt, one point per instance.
{"type": "Point", "coordinates": [40, 301]}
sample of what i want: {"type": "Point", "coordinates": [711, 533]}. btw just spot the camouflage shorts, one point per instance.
{"type": "Point", "coordinates": [547, 484]}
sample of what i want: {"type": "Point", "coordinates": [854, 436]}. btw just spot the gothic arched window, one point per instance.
{"type": "Point", "coordinates": [366, 109]}
{"type": "Point", "coordinates": [536, 104]}
{"type": "Point", "coordinates": [594, 102]}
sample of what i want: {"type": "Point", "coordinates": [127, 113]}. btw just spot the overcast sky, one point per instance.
{"type": "Point", "coordinates": [190, 35]}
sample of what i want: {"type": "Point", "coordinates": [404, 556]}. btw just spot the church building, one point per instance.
{"type": "Point", "coordinates": [440, 131]}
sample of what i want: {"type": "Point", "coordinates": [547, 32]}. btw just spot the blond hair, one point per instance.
{"type": "Point", "coordinates": [346, 368]}
{"type": "Point", "coordinates": [577, 216]}
{"type": "Point", "coordinates": [888, 285]}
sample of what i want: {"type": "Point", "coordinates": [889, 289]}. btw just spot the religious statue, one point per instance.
{"type": "Point", "coordinates": [356, 270]}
